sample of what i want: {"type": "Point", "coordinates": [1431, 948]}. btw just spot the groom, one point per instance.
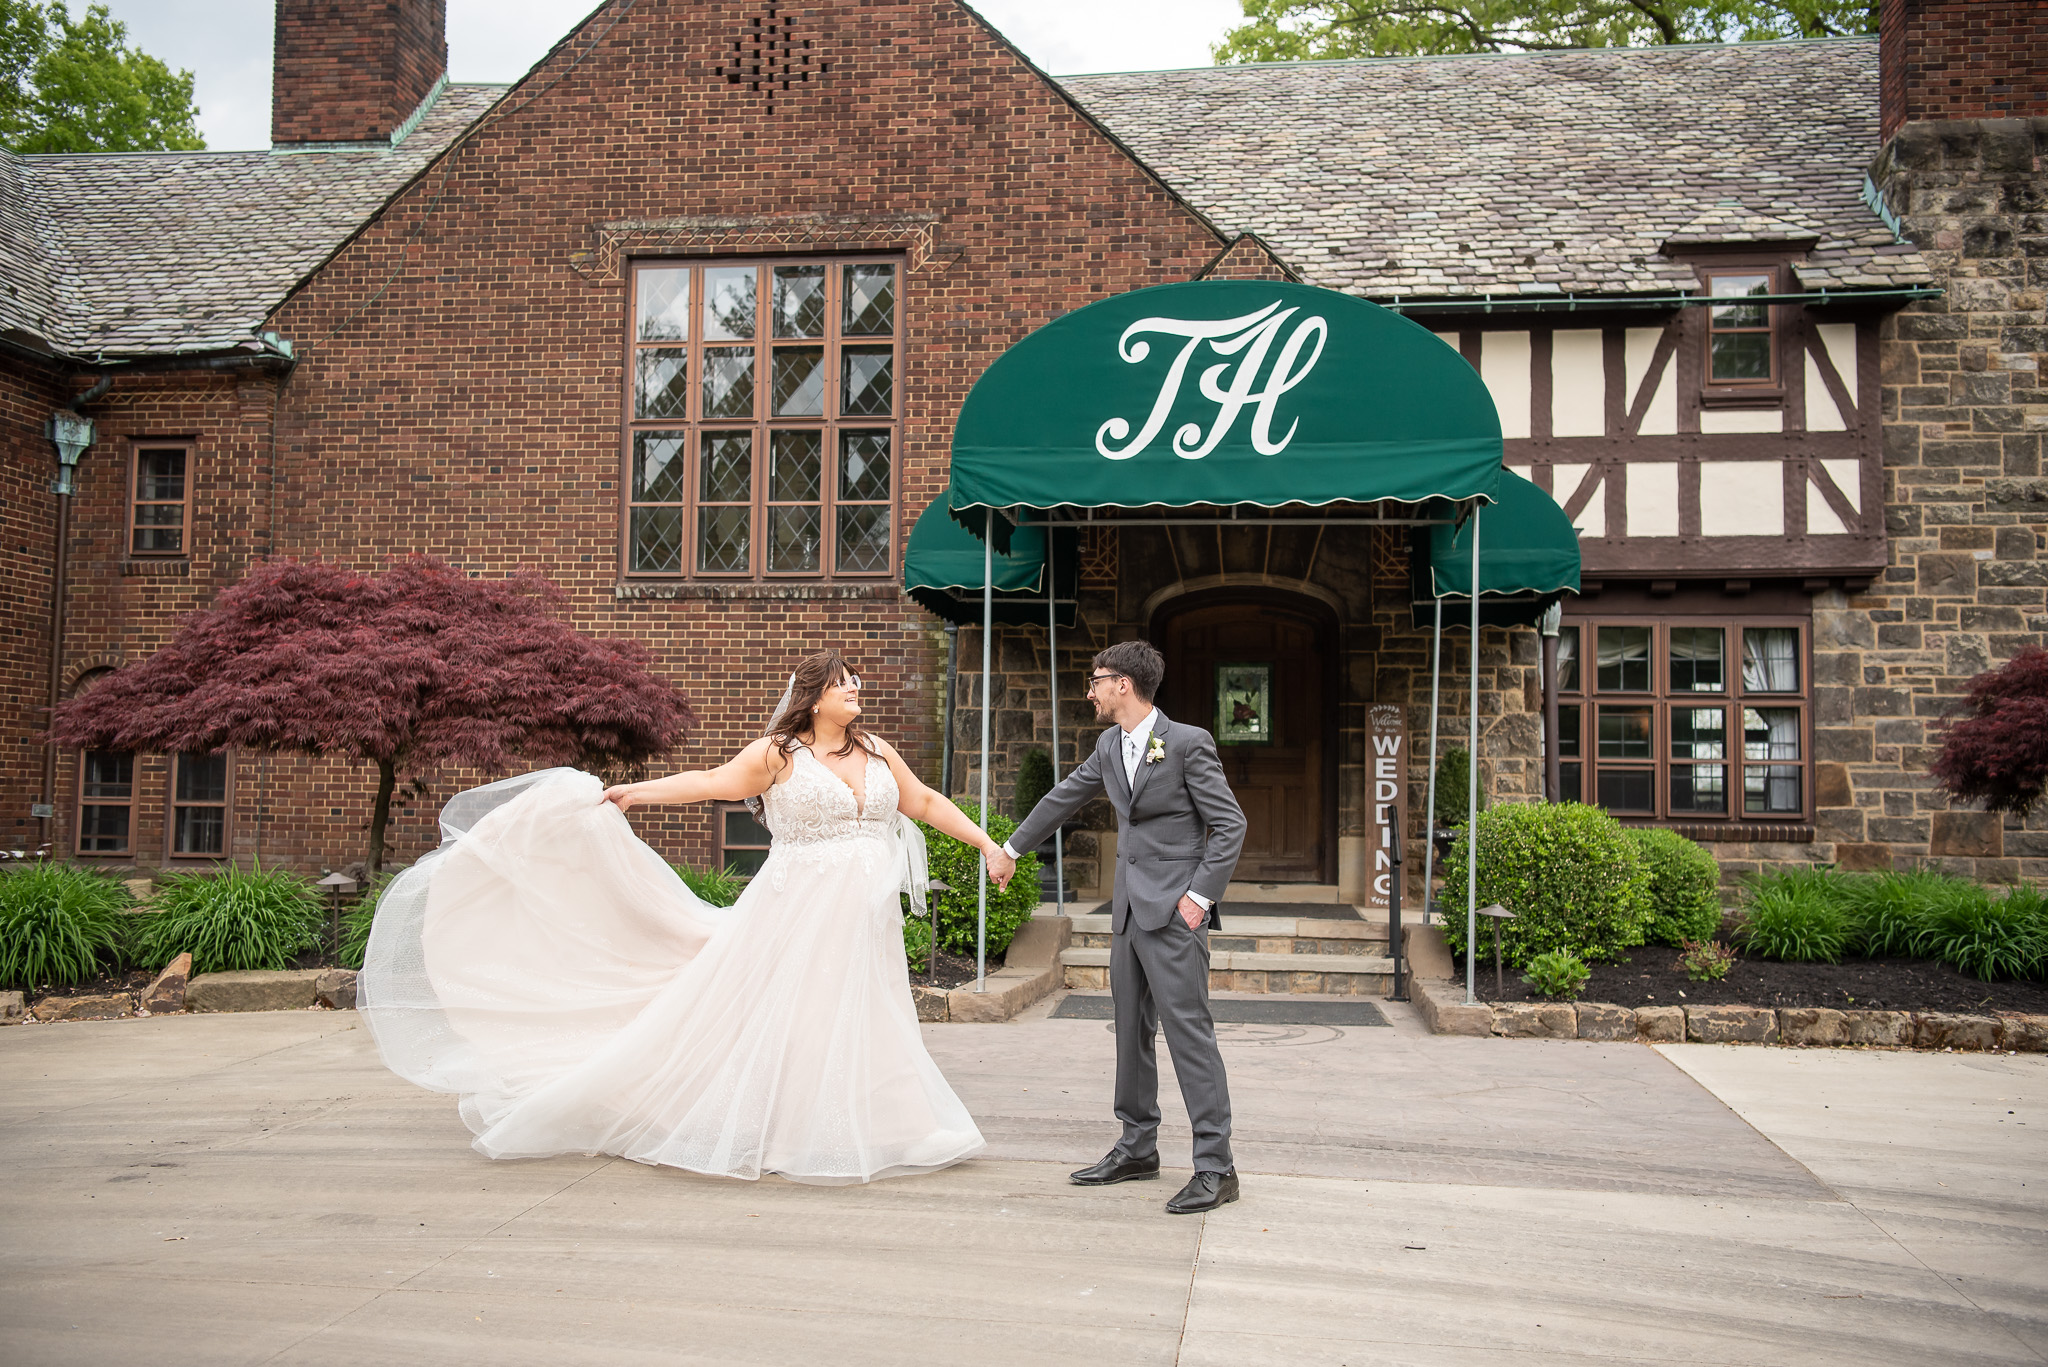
{"type": "Point", "coordinates": [1179, 831]}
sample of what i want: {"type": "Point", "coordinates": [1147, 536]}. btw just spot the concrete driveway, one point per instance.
{"type": "Point", "coordinates": [256, 1189]}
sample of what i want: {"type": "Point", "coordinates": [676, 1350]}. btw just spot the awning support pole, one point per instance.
{"type": "Point", "coordinates": [1052, 684]}
{"type": "Point", "coordinates": [1472, 781]}
{"type": "Point", "coordinates": [1553, 772]}
{"type": "Point", "coordinates": [988, 621]}
{"type": "Point", "coordinates": [1436, 672]}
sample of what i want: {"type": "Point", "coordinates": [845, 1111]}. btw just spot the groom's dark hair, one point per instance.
{"type": "Point", "coordinates": [1138, 661]}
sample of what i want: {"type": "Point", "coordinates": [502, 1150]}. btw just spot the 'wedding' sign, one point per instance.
{"type": "Point", "coordinates": [1387, 781]}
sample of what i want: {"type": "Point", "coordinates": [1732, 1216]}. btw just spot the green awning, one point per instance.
{"type": "Point", "coordinates": [1224, 392]}
{"type": "Point", "coordinates": [942, 569]}
{"type": "Point", "coordinates": [1528, 555]}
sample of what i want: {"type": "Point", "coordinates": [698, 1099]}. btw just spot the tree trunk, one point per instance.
{"type": "Point", "coordinates": [380, 813]}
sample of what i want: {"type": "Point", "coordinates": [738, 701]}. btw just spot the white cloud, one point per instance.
{"type": "Point", "coordinates": [225, 44]}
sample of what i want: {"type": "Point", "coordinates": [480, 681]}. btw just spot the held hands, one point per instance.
{"type": "Point", "coordinates": [1001, 867]}
{"type": "Point", "coordinates": [1191, 911]}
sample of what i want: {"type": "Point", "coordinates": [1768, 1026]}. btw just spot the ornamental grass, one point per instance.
{"type": "Point", "coordinates": [60, 924]}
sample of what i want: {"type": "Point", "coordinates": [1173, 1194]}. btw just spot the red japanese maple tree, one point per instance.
{"type": "Point", "coordinates": [1997, 754]}
{"type": "Point", "coordinates": [416, 666]}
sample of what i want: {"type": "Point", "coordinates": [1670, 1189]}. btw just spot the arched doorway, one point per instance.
{"type": "Point", "coordinates": [1269, 659]}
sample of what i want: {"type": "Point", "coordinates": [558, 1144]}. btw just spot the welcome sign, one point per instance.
{"type": "Point", "coordinates": [1387, 779]}
{"type": "Point", "coordinates": [1224, 392]}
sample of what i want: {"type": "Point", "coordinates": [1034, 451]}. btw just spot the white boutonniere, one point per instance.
{"type": "Point", "coordinates": [1156, 751]}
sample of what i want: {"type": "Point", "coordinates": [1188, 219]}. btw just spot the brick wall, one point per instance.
{"type": "Point", "coordinates": [1965, 415]}
{"type": "Point", "coordinates": [461, 373]}
{"type": "Point", "coordinates": [27, 540]}
{"type": "Point", "coordinates": [1962, 59]}
{"type": "Point", "coordinates": [344, 71]}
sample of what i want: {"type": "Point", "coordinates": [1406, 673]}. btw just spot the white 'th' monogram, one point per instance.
{"type": "Point", "coordinates": [1253, 335]}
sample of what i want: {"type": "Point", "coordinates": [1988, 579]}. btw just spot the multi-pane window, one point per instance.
{"type": "Point", "coordinates": [742, 841]}
{"type": "Point", "coordinates": [1683, 719]}
{"type": "Point", "coordinates": [106, 802]}
{"type": "Point", "coordinates": [765, 419]}
{"type": "Point", "coordinates": [1740, 347]}
{"type": "Point", "coordinates": [198, 824]}
{"type": "Point", "coordinates": [159, 497]}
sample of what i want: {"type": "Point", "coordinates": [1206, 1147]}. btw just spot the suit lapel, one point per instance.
{"type": "Point", "coordinates": [1145, 768]}
{"type": "Point", "coordinates": [1113, 756]}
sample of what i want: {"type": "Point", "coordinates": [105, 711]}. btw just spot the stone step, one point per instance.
{"type": "Point", "coordinates": [1249, 943]}
{"type": "Point", "coordinates": [1281, 892]}
{"type": "Point", "coordinates": [1347, 975]}
{"type": "Point", "coordinates": [1237, 923]}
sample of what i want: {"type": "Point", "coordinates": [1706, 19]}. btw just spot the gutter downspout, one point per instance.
{"type": "Point", "coordinates": [1553, 617]}
{"type": "Point", "coordinates": [60, 577]}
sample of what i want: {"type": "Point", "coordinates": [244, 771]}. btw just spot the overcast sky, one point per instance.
{"type": "Point", "coordinates": [225, 44]}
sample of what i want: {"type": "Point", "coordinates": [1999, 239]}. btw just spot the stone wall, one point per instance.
{"type": "Point", "coordinates": [1965, 415]}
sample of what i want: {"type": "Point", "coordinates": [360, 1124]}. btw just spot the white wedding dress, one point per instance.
{"type": "Point", "coordinates": [555, 972]}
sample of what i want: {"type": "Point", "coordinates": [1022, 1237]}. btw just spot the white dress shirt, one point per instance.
{"type": "Point", "coordinates": [1134, 743]}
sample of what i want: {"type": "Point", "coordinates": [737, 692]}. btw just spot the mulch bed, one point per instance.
{"type": "Point", "coordinates": [1650, 976]}
{"type": "Point", "coordinates": [955, 970]}
{"type": "Point", "coordinates": [101, 986]}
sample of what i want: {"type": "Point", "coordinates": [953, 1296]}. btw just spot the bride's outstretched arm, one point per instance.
{"type": "Point", "coordinates": [747, 774]}
{"type": "Point", "coordinates": [936, 810]}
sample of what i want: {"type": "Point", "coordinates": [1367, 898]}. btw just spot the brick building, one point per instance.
{"type": "Point", "coordinates": [684, 317]}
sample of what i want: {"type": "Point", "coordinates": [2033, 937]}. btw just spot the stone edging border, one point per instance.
{"type": "Point", "coordinates": [1444, 1008]}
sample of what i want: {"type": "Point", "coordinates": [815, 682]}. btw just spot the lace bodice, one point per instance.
{"type": "Point", "coordinates": [814, 806]}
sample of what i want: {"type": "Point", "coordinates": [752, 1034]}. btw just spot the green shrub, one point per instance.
{"type": "Point", "coordinates": [357, 920]}
{"type": "Point", "coordinates": [1888, 912]}
{"type": "Point", "coordinates": [1796, 916]}
{"type": "Point", "coordinates": [1034, 781]}
{"type": "Point", "coordinates": [1706, 961]}
{"type": "Point", "coordinates": [1570, 873]}
{"type": "Point", "coordinates": [714, 887]}
{"type": "Point", "coordinates": [1685, 882]}
{"type": "Point", "coordinates": [1453, 778]}
{"type": "Point", "coordinates": [917, 942]}
{"type": "Point", "coordinates": [231, 918]}
{"type": "Point", "coordinates": [60, 924]}
{"type": "Point", "coordinates": [1556, 974]}
{"type": "Point", "coordinates": [954, 863]}
{"type": "Point", "coordinates": [1989, 938]}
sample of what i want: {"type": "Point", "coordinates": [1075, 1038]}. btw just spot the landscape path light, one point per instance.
{"type": "Point", "coordinates": [337, 884]}
{"type": "Point", "coordinates": [1496, 913]}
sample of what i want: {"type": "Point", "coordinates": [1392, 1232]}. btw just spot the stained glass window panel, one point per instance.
{"type": "Point", "coordinates": [729, 304]}
{"type": "Point", "coordinates": [657, 536]}
{"type": "Point", "coordinates": [664, 305]}
{"type": "Point", "coordinates": [729, 382]}
{"type": "Point", "coordinates": [863, 538]}
{"type": "Point", "coordinates": [795, 474]}
{"type": "Point", "coordinates": [868, 381]}
{"type": "Point", "coordinates": [793, 539]}
{"type": "Point", "coordinates": [663, 389]}
{"type": "Point", "coordinates": [799, 382]}
{"type": "Point", "coordinates": [870, 305]}
{"type": "Point", "coordinates": [722, 540]}
{"type": "Point", "coordinates": [659, 475]}
{"type": "Point", "coordinates": [799, 301]}
{"type": "Point", "coordinates": [863, 466]}
{"type": "Point", "coordinates": [728, 467]}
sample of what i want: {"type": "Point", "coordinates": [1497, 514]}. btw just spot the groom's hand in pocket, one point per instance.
{"type": "Point", "coordinates": [1192, 912]}
{"type": "Point", "coordinates": [1001, 868]}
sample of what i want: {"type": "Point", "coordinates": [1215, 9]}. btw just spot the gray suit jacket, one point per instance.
{"type": "Point", "coordinates": [1179, 829]}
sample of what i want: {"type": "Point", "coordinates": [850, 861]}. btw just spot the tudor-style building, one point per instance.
{"type": "Point", "coordinates": [685, 317]}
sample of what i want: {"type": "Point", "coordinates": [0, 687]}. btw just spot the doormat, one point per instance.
{"type": "Point", "coordinates": [1274, 1010]}
{"type": "Point", "coordinates": [1327, 911]}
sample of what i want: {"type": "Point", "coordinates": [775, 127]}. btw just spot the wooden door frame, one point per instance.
{"type": "Point", "coordinates": [1327, 629]}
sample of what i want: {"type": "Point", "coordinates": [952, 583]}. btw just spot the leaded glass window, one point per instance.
{"type": "Point", "coordinates": [765, 419]}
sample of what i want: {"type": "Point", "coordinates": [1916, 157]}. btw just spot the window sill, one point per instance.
{"type": "Point", "coordinates": [660, 590]}
{"type": "Point", "coordinates": [1732, 832]}
{"type": "Point", "coordinates": [1763, 396]}
{"type": "Point", "coordinates": [169, 566]}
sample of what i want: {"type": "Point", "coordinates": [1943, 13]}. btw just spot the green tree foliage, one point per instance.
{"type": "Point", "coordinates": [1305, 30]}
{"type": "Point", "coordinates": [74, 85]}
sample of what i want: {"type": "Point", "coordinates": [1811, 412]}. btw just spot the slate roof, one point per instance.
{"type": "Point", "coordinates": [1529, 174]}
{"type": "Point", "coordinates": [169, 252]}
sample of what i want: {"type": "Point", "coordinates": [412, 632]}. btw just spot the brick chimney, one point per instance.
{"type": "Point", "coordinates": [353, 70]}
{"type": "Point", "coordinates": [1961, 59]}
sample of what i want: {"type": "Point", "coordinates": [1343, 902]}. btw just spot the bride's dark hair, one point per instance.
{"type": "Point", "coordinates": [814, 674]}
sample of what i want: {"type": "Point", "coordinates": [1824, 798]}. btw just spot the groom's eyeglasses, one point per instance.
{"type": "Point", "coordinates": [1094, 679]}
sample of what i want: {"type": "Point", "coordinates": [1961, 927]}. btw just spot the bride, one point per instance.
{"type": "Point", "coordinates": [555, 972]}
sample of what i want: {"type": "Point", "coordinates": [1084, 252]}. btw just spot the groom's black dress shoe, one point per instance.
{"type": "Point", "coordinates": [1204, 1191]}
{"type": "Point", "coordinates": [1117, 1168]}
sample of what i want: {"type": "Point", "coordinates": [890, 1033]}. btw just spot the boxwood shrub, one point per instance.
{"type": "Point", "coordinates": [1685, 883]}
{"type": "Point", "coordinates": [1572, 875]}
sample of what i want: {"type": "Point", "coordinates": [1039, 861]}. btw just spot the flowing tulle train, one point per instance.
{"type": "Point", "coordinates": [553, 971]}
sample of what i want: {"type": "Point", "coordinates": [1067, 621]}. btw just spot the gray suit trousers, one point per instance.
{"type": "Point", "coordinates": [1161, 977]}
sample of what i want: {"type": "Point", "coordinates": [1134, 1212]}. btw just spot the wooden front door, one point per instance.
{"type": "Point", "coordinates": [1280, 781]}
